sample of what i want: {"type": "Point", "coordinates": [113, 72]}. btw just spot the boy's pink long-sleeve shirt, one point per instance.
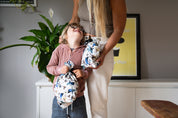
{"type": "Point", "coordinates": [62, 54]}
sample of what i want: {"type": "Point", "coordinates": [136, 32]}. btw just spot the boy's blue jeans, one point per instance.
{"type": "Point", "coordinates": [76, 110]}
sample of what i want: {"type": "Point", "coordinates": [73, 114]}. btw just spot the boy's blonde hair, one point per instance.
{"type": "Point", "coordinates": [64, 34]}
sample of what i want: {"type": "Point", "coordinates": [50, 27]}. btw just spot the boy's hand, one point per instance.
{"type": "Point", "coordinates": [79, 73]}
{"type": "Point", "coordinates": [64, 69]}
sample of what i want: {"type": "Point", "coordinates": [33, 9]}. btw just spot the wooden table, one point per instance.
{"type": "Point", "coordinates": [160, 108]}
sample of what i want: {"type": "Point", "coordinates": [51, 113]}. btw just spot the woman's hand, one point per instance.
{"type": "Point", "coordinates": [100, 60]}
{"type": "Point", "coordinates": [64, 69]}
{"type": "Point", "coordinates": [79, 73]}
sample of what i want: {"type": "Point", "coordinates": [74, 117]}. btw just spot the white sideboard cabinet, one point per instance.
{"type": "Point", "coordinates": [124, 97]}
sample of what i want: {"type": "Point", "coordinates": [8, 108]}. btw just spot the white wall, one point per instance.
{"type": "Point", "coordinates": [159, 46]}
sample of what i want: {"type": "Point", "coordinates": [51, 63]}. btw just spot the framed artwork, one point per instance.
{"type": "Point", "coordinates": [18, 3]}
{"type": "Point", "coordinates": [127, 65]}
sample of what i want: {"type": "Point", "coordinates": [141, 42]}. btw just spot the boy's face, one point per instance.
{"type": "Point", "coordinates": [75, 32]}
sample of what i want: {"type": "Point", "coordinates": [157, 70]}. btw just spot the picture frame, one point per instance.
{"type": "Point", "coordinates": [7, 3]}
{"type": "Point", "coordinates": [127, 65]}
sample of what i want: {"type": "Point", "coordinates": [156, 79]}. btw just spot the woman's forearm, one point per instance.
{"type": "Point", "coordinates": [112, 41]}
{"type": "Point", "coordinates": [119, 16]}
{"type": "Point", "coordinates": [75, 17]}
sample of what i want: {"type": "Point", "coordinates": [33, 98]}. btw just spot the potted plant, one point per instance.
{"type": "Point", "coordinates": [45, 40]}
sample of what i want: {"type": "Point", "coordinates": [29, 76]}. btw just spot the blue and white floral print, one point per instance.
{"type": "Point", "coordinates": [65, 88]}
{"type": "Point", "coordinates": [69, 64]}
{"type": "Point", "coordinates": [92, 51]}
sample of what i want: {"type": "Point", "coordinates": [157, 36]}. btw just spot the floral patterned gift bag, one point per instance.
{"type": "Point", "coordinates": [65, 88]}
{"type": "Point", "coordinates": [94, 46]}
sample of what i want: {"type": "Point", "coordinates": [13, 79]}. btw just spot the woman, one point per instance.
{"type": "Point", "coordinates": [103, 18]}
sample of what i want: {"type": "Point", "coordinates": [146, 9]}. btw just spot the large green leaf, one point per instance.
{"type": "Point", "coordinates": [45, 30]}
{"type": "Point", "coordinates": [32, 62]}
{"type": "Point", "coordinates": [38, 33]}
{"type": "Point", "coordinates": [15, 45]}
{"type": "Point", "coordinates": [30, 38]}
{"type": "Point", "coordinates": [40, 44]}
{"type": "Point", "coordinates": [43, 26]}
{"type": "Point", "coordinates": [38, 51]}
{"type": "Point", "coordinates": [52, 37]}
{"type": "Point", "coordinates": [50, 24]}
{"type": "Point", "coordinates": [38, 57]}
{"type": "Point", "coordinates": [56, 29]}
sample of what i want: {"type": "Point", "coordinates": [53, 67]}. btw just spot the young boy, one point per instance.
{"type": "Point", "coordinates": [71, 49]}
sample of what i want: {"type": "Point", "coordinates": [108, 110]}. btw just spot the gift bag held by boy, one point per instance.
{"type": "Point", "coordinates": [65, 88]}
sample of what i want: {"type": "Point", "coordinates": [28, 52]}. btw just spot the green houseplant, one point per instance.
{"type": "Point", "coordinates": [45, 40]}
